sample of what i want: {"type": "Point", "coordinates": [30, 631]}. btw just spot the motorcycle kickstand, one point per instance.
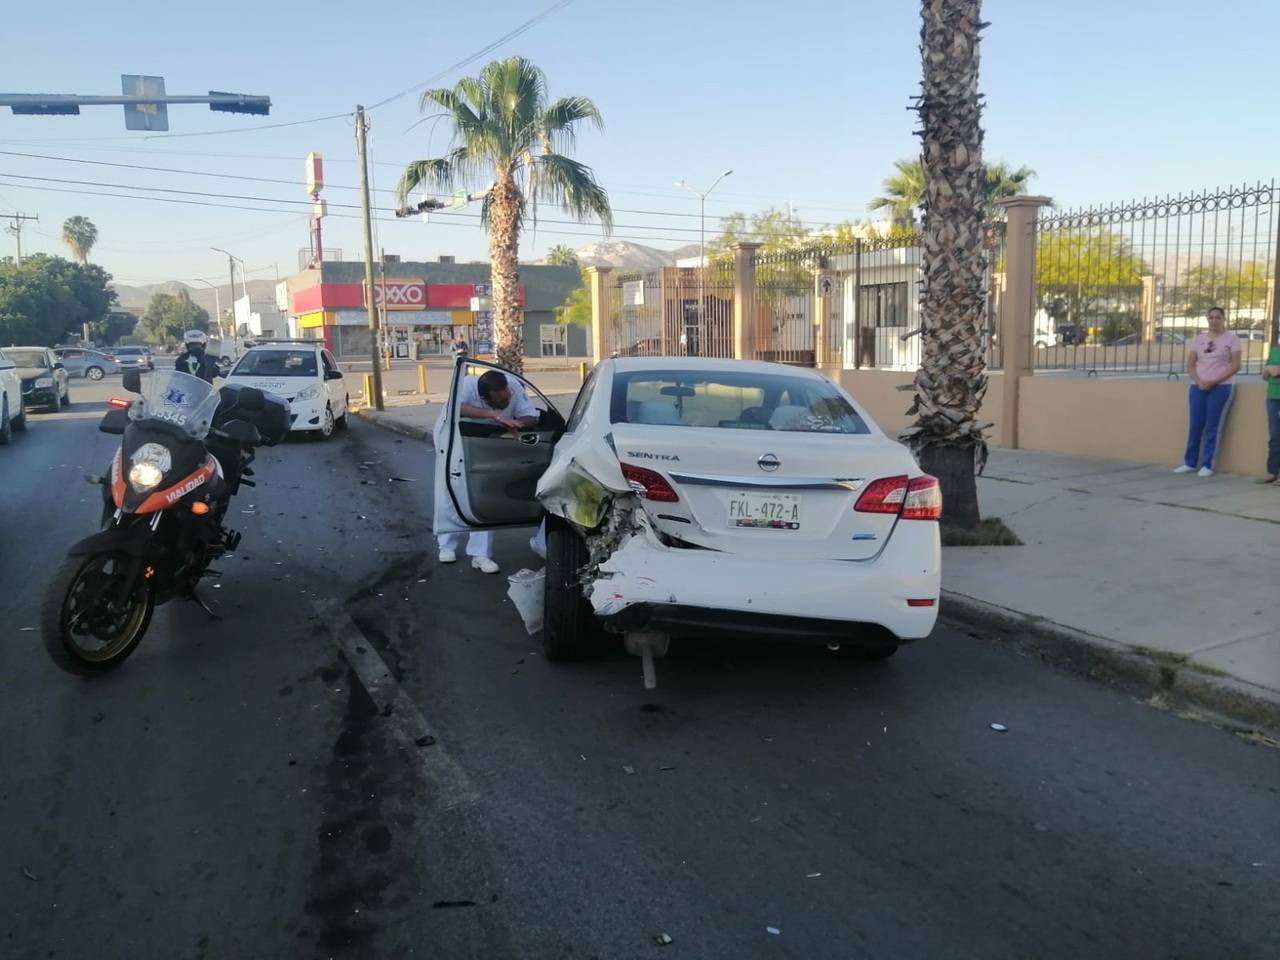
{"type": "Point", "coordinates": [196, 599]}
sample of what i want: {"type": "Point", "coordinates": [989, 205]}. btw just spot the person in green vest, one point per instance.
{"type": "Point", "coordinates": [193, 359]}
{"type": "Point", "coordinates": [1271, 374]}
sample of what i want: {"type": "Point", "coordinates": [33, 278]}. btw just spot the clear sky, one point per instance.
{"type": "Point", "coordinates": [1108, 100]}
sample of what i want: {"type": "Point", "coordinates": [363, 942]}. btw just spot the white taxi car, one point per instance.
{"type": "Point", "coordinates": [302, 372]}
{"type": "Point", "coordinates": [694, 496]}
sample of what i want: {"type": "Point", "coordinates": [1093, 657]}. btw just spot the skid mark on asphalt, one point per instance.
{"type": "Point", "coordinates": [451, 787]}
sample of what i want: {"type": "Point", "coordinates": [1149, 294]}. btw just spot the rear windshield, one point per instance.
{"type": "Point", "coordinates": [277, 363]}
{"type": "Point", "coordinates": [28, 358]}
{"type": "Point", "coordinates": [734, 401]}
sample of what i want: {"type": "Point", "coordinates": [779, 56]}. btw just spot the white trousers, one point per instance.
{"type": "Point", "coordinates": [480, 543]}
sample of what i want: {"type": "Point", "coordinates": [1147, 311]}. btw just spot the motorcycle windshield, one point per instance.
{"type": "Point", "coordinates": [177, 398]}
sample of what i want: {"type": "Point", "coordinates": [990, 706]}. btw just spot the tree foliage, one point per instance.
{"type": "Point", "coordinates": [80, 235]}
{"type": "Point", "coordinates": [1078, 271]}
{"type": "Point", "coordinates": [576, 310]}
{"type": "Point", "coordinates": [562, 255]}
{"type": "Point", "coordinates": [169, 316]}
{"type": "Point", "coordinates": [49, 299]}
{"type": "Point", "coordinates": [509, 138]}
{"type": "Point", "coordinates": [904, 190]}
{"type": "Point", "coordinates": [1213, 285]}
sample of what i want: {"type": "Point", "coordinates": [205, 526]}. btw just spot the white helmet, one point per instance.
{"type": "Point", "coordinates": [195, 336]}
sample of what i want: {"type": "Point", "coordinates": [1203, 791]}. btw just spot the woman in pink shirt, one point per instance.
{"type": "Point", "coordinates": [1213, 360]}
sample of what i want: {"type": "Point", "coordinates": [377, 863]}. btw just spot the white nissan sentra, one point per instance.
{"type": "Point", "coordinates": [688, 496]}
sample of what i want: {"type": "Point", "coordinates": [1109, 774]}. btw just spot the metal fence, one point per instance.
{"type": "Point", "coordinates": [675, 311]}
{"type": "Point", "coordinates": [1122, 288]}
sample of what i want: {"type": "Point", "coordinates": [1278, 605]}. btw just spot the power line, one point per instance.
{"type": "Point", "coordinates": [523, 28]}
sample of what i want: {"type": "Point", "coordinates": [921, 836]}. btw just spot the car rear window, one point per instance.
{"type": "Point", "coordinates": [733, 401]}
{"type": "Point", "coordinates": [277, 363]}
{"type": "Point", "coordinates": [28, 358]}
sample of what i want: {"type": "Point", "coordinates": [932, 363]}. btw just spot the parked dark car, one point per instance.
{"type": "Point", "coordinates": [1162, 339]}
{"type": "Point", "coordinates": [80, 362]}
{"type": "Point", "coordinates": [44, 379]}
{"type": "Point", "coordinates": [1071, 334]}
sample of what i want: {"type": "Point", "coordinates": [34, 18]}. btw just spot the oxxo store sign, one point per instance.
{"type": "Point", "coordinates": [400, 294]}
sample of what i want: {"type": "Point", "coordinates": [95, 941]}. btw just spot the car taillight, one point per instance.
{"type": "Point", "coordinates": [883, 496]}
{"type": "Point", "coordinates": [918, 498]}
{"type": "Point", "coordinates": [649, 484]}
{"type": "Point", "coordinates": [924, 499]}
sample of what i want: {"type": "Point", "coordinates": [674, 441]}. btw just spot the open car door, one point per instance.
{"type": "Point", "coordinates": [486, 476]}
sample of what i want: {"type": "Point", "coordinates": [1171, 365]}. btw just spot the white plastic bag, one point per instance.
{"type": "Point", "coordinates": [525, 590]}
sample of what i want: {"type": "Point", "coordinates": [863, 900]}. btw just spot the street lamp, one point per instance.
{"type": "Point", "coordinates": [232, 260]}
{"type": "Point", "coordinates": [217, 301]}
{"type": "Point", "coordinates": [702, 243]}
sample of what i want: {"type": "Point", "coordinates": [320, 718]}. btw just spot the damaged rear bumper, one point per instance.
{"type": "Point", "coordinates": [646, 586]}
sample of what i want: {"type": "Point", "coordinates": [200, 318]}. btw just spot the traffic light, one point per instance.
{"type": "Point", "coordinates": [260, 106]}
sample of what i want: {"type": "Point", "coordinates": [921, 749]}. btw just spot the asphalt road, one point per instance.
{"type": "Point", "coordinates": [235, 792]}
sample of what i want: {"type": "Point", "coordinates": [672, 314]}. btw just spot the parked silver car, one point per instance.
{"type": "Point", "coordinates": [134, 358]}
{"type": "Point", "coordinates": [91, 364]}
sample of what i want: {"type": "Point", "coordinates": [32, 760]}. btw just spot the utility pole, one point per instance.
{"type": "Point", "coordinates": [15, 229]}
{"type": "Point", "coordinates": [362, 151]}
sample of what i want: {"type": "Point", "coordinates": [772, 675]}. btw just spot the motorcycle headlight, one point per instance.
{"type": "Point", "coordinates": [309, 393]}
{"type": "Point", "coordinates": [151, 462]}
{"type": "Point", "coordinates": [44, 382]}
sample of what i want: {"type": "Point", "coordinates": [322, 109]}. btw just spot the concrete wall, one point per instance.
{"type": "Point", "coordinates": [876, 391]}
{"type": "Point", "coordinates": [1114, 418]}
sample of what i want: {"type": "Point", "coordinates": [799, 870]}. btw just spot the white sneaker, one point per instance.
{"type": "Point", "coordinates": [1205, 472]}
{"type": "Point", "coordinates": [484, 565]}
{"type": "Point", "coordinates": [448, 556]}
{"type": "Point", "coordinates": [1183, 469]}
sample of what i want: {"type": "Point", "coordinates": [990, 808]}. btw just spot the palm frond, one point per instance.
{"type": "Point", "coordinates": [572, 187]}
{"type": "Point", "coordinates": [441, 172]}
{"type": "Point", "coordinates": [558, 122]}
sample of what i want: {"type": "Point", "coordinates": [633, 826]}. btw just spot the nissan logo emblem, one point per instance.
{"type": "Point", "coordinates": [768, 463]}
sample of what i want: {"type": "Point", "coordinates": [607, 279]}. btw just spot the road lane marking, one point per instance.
{"type": "Point", "coordinates": [452, 786]}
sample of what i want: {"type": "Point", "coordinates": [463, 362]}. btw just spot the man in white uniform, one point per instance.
{"type": "Point", "coordinates": [490, 396]}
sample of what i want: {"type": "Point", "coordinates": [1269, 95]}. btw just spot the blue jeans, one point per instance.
{"type": "Point", "coordinates": [1208, 414]}
{"type": "Point", "coordinates": [1273, 437]}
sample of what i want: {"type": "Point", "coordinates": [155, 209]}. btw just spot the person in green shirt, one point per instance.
{"type": "Point", "coordinates": [1271, 374]}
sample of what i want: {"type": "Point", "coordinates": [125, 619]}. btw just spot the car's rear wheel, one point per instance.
{"type": "Point", "coordinates": [94, 373]}
{"type": "Point", "coordinates": [569, 626]}
{"type": "Point", "coordinates": [6, 427]}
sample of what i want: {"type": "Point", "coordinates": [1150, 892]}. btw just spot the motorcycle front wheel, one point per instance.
{"type": "Point", "coordinates": [92, 618]}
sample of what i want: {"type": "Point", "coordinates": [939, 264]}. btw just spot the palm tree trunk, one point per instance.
{"type": "Point", "coordinates": [504, 257]}
{"type": "Point", "coordinates": [947, 436]}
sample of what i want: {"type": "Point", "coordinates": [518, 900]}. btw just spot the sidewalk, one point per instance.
{"type": "Point", "coordinates": [1163, 585]}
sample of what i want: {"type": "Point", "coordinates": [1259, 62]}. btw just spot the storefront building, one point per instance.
{"type": "Point", "coordinates": [424, 306]}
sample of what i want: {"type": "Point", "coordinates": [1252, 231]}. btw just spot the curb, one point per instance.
{"type": "Point", "coordinates": [380, 418]}
{"type": "Point", "coordinates": [1168, 682]}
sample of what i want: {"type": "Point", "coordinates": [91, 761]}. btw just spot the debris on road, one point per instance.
{"type": "Point", "coordinates": [425, 741]}
{"type": "Point", "coordinates": [812, 875]}
{"type": "Point", "coordinates": [773, 930]}
{"type": "Point", "coordinates": [999, 727]}
{"type": "Point", "coordinates": [444, 904]}
{"type": "Point", "coordinates": [401, 480]}
{"type": "Point", "coordinates": [662, 940]}
{"type": "Point", "coordinates": [628, 770]}
{"type": "Point", "coordinates": [29, 875]}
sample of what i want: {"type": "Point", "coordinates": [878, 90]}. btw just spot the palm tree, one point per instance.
{"type": "Point", "coordinates": [947, 436]}
{"type": "Point", "coordinates": [904, 191]}
{"type": "Point", "coordinates": [80, 235]}
{"type": "Point", "coordinates": [507, 135]}
{"type": "Point", "coordinates": [562, 255]}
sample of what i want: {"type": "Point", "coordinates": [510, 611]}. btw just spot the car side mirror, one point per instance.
{"type": "Point", "coordinates": [132, 380]}
{"type": "Point", "coordinates": [57, 365]}
{"type": "Point", "coordinates": [333, 374]}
